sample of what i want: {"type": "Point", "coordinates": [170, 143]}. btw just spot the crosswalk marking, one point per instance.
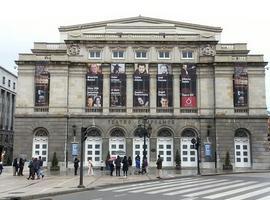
{"type": "Point", "coordinates": [194, 188]}
{"type": "Point", "coordinates": [204, 182]}
{"type": "Point", "coordinates": [232, 185]}
{"type": "Point", "coordinates": [264, 198]}
{"type": "Point", "coordinates": [139, 184]}
{"type": "Point", "coordinates": [159, 185]}
{"type": "Point", "coordinates": [236, 191]}
{"type": "Point", "coordinates": [250, 194]}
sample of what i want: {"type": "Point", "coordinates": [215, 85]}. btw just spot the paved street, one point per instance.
{"type": "Point", "coordinates": [224, 187]}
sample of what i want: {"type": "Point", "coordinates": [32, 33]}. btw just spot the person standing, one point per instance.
{"type": "Point", "coordinates": [15, 167]}
{"type": "Point", "coordinates": [117, 163]}
{"type": "Point", "coordinates": [144, 165]}
{"type": "Point", "coordinates": [159, 166]}
{"type": "Point", "coordinates": [130, 164]}
{"type": "Point", "coordinates": [90, 168]}
{"type": "Point", "coordinates": [31, 170]}
{"type": "Point", "coordinates": [111, 167]}
{"type": "Point", "coordinates": [76, 166]}
{"type": "Point", "coordinates": [21, 166]}
{"type": "Point", "coordinates": [137, 164]}
{"type": "Point", "coordinates": [125, 165]}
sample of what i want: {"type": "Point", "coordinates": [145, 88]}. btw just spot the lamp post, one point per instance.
{"type": "Point", "coordinates": [145, 130]}
{"type": "Point", "coordinates": [83, 138]}
{"type": "Point", "coordinates": [196, 143]}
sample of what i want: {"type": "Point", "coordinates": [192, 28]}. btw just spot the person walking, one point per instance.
{"type": "Point", "coordinates": [36, 168]}
{"type": "Point", "coordinates": [15, 167]}
{"type": "Point", "coordinates": [117, 163]}
{"type": "Point", "coordinates": [144, 165]}
{"type": "Point", "coordinates": [159, 166]}
{"type": "Point", "coordinates": [125, 166]}
{"type": "Point", "coordinates": [31, 170]}
{"type": "Point", "coordinates": [76, 166]}
{"type": "Point", "coordinates": [40, 172]}
{"type": "Point", "coordinates": [90, 168]}
{"type": "Point", "coordinates": [21, 166]}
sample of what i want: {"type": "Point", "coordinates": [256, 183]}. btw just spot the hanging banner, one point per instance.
{"type": "Point", "coordinates": [164, 86]}
{"type": "Point", "coordinates": [188, 79]}
{"type": "Point", "coordinates": [94, 86]}
{"type": "Point", "coordinates": [42, 84]}
{"type": "Point", "coordinates": [74, 149]}
{"type": "Point", "coordinates": [141, 86]}
{"type": "Point", "coordinates": [117, 85]}
{"type": "Point", "coordinates": [240, 85]}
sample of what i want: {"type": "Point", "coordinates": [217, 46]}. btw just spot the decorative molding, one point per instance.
{"type": "Point", "coordinates": [207, 50]}
{"type": "Point", "coordinates": [73, 50]}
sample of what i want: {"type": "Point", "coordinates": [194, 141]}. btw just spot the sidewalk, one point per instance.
{"type": "Point", "coordinates": [65, 182]}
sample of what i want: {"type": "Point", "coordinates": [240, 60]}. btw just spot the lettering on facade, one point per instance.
{"type": "Point", "coordinates": [151, 121]}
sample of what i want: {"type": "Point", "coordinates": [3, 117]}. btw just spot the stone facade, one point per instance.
{"type": "Point", "coordinates": [220, 123]}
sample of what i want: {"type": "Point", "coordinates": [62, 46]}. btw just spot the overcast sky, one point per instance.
{"type": "Point", "coordinates": [24, 22]}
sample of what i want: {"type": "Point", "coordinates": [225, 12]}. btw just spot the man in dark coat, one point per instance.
{"type": "Point", "coordinates": [15, 167]}
{"type": "Point", "coordinates": [21, 166]}
{"type": "Point", "coordinates": [76, 166]}
{"type": "Point", "coordinates": [159, 166]}
{"type": "Point", "coordinates": [117, 163]}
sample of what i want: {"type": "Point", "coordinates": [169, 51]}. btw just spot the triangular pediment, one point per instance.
{"type": "Point", "coordinates": [142, 25]}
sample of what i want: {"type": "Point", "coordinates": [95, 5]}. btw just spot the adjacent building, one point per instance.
{"type": "Point", "coordinates": [8, 84]}
{"type": "Point", "coordinates": [109, 76]}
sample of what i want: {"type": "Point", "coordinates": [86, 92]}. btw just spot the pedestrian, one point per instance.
{"type": "Point", "coordinates": [125, 166]}
{"type": "Point", "coordinates": [130, 164]}
{"type": "Point", "coordinates": [31, 170]}
{"type": "Point", "coordinates": [76, 166]}
{"type": "Point", "coordinates": [137, 164]}
{"type": "Point", "coordinates": [117, 163]}
{"type": "Point", "coordinates": [1, 168]}
{"type": "Point", "coordinates": [159, 166]}
{"type": "Point", "coordinates": [111, 167]}
{"type": "Point", "coordinates": [40, 172]}
{"type": "Point", "coordinates": [90, 168]}
{"type": "Point", "coordinates": [21, 166]}
{"type": "Point", "coordinates": [15, 166]}
{"type": "Point", "coordinates": [36, 168]}
{"type": "Point", "coordinates": [144, 165]}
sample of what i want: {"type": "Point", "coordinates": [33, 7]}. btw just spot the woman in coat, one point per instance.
{"type": "Point", "coordinates": [125, 165]}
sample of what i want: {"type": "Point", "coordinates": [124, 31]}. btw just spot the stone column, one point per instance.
{"type": "Point", "coordinates": [153, 93]}
{"type": "Point", "coordinates": [176, 91]}
{"type": "Point", "coordinates": [106, 88]}
{"type": "Point", "coordinates": [129, 93]}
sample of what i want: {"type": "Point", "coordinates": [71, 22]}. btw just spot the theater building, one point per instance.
{"type": "Point", "coordinates": [106, 76]}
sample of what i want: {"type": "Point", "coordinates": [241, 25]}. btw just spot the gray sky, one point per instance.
{"type": "Point", "coordinates": [25, 22]}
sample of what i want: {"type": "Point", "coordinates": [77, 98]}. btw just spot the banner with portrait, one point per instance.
{"type": "Point", "coordinates": [141, 86]}
{"type": "Point", "coordinates": [117, 85]}
{"type": "Point", "coordinates": [188, 82]}
{"type": "Point", "coordinates": [94, 86]}
{"type": "Point", "coordinates": [240, 85]}
{"type": "Point", "coordinates": [164, 86]}
{"type": "Point", "coordinates": [42, 84]}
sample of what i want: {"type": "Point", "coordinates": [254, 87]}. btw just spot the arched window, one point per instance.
{"type": "Point", "coordinates": [41, 132]}
{"type": "Point", "coordinates": [93, 133]}
{"type": "Point", "coordinates": [241, 132]}
{"type": "Point", "coordinates": [117, 133]}
{"type": "Point", "coordinates": [165, 133]}
{"type": "Point", "coordinates": [188, 133]}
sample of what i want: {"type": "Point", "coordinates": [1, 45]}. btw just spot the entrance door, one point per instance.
{"type": "Point", "coordinates": [117, 147]}
{"type": "Point", "coordinates": [40, 148]}
{"type": "Point", "coordinates": [242, 152]}
{"type": "Point", "coordinates": [165, 150]}
{"type": "Point", "coordinates": [188, 153]}
{"type": "Point", "coordinates": [138, 149]}
{"type": "Point", "coordinates": [93, 150]}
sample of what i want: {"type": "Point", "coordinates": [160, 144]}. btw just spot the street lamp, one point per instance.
{"type": "Point", "coordinates": [83, 138]}
{"type": "Point", "coordinates": [145, 130]}
{"type": "Point", "coordinates": [196, 143]}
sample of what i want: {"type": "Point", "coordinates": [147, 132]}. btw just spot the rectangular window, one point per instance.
{"type": "Point", "coordinates": [9, 83]}
{"type": "Point", "coordinates": [141, 55]}
{"type": "Point", "coordinates": [187, 54]}
{"type": "Point", "coordinates": [94, 54]}
{"type": "Point", "coordinates": [118, 54]}
{"type": "Point", "coordinates": [163, 55]}
{"type": "Point", "coordinates": [14, 86]}
{"type": "Point", "coordinates": [4, 80]}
